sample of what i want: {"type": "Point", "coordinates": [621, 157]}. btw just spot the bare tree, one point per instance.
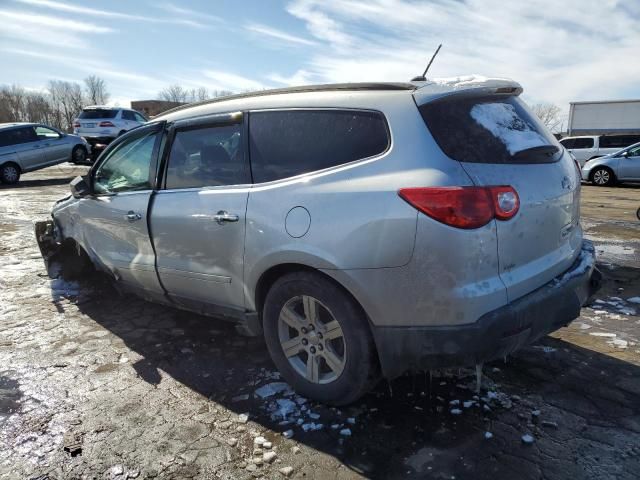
{"type": "Point", "coordinates": [549, 114]}
{"type": "Point", "coordinates": [174, 93]}
{"type": "Point", "coordinates": [66, 100]}
{"type": "Point", "coordinates": [96, 90]}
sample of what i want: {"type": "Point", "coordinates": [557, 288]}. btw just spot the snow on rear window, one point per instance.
{"type": "Point", "coordinates": [502, 120]}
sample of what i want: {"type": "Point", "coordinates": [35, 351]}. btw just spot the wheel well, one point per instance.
{"type": "Point", "coordinates": [269, 277]}
{"type": "Point", "coordinates": [11, 163]}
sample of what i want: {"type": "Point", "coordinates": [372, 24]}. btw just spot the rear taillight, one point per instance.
{"type": "Point", "coordinates": [464, 207]}
{"type": "Point", "coordinates": [106, 124]}
{"type": "Point", "coordinates": [76, 124]}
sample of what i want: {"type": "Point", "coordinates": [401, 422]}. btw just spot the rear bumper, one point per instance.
{"type": "Point", "coordinates": [497, 333]}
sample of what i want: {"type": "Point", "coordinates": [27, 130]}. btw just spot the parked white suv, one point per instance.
{"type": "Point", "coordinates": [586, 147]}
{"type": "Point", "coordinates": [99, 125]}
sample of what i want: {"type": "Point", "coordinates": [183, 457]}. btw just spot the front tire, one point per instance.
{"type": "Point", "coordinates": [319, 339]}
{"type": "Point", "coordinates": [79, 154]}
{"type": "Point", "coordinates": [9, 173]}
{"type": "Point", "coordinates": [602, 177]}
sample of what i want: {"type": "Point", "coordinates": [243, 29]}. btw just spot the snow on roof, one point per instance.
{"type": "Point", "coordinates": [436, 87]}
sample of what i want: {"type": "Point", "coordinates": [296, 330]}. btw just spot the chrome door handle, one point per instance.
{"type": "Point", "coordinates": [223, 216]}
{"type": "Point", "coordinates": [133, 216]}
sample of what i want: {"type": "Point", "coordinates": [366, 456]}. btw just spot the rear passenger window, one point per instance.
{"type": "Point", "coordinates": [568, 143]}
{"type": "Point", "coordinates": [289, 143]}
{"type": "Point", "coordinates": [583, 143]}
{"type": "Point", "coordinates": [207, 156]}
{"type": "Point", "coordinates": [128, 115]}
{"type": "Point", "coordinates": [16, 136]}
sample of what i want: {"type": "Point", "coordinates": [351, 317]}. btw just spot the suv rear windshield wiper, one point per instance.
{"type": "Point", "coordinates": [540, 151]}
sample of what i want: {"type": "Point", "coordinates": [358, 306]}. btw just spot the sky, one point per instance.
{"type": "Point", "coordinates": [560, 51]}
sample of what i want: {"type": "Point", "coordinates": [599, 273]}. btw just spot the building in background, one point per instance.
{"type": "Point", "coordinates": [152, 108]}
{"type": "Point", "coordinates": [604, 117]}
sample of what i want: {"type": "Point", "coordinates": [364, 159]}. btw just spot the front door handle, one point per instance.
{"type": "Point", "coordinates": [133, 216]}
{"type": "Point", "coordinates": [223, 216]}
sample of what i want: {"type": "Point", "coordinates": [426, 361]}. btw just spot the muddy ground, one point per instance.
{"type": "Point", "coordinates": [96, 385]}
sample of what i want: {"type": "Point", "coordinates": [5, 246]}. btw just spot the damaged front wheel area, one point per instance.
{"type": "Point", "coordinates": [62, 257]}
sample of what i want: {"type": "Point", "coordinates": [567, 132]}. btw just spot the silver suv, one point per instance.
{"type": "Point", "coordinates": [364, 229]}
{"type": "Point", "coordinates": [100, 124]}
{"type": "Point", "coordinates": [25, 147]}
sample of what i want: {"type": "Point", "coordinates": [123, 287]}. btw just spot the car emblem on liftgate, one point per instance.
{"type": "Point", "coordinates": [567, 184]}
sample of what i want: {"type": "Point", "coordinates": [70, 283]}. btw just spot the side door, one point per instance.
{"type": "Point", "coordinates": [198, 218]}
{"type": "Point", "coordinates": [115, 227]}
{"type": "Point", "coordinates": [54, 146]}
{"type": "Point", "coordinates": [583, 149]}
{"type": "Point", "coordinates": [29, 147]}
{"type": "Point", "coordinates": [629, 165]}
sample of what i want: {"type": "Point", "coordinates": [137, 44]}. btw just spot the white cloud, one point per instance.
{"type": "Point", "coordinates": [278, 34]}
{"type": "Point", "coordinates": [174, 9]}
{"type": "Point", "coordinates": [231, 81]}
{"type": "Point", "coordinates": [69, 8]}
{"type": "Point", "coordinates": [300, 77]}
{"type": "Point", "coordinates": [559, 51]}
{"type": "Point", "coordinates": [51, 22]}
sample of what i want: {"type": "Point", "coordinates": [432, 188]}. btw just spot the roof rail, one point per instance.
{"type": "Point", "coordinates": [301, 89]}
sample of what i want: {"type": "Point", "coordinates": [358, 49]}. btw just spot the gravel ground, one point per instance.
{"type": "Point", "coordinates": [98, 385]}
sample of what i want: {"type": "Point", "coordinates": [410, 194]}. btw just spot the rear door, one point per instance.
{"type": "Point", "coordinates": [114, 218]}
{"type": "Point", "coordinates": [30, 149]}
{"type": "Point", "coordinates": [198, 219]}
{"type": "Point", "coordinates": [90, 120]}
{"type": "Point", "coordinates": [499, 142]}
{"type": "Point", "coordinates": [56, 150]}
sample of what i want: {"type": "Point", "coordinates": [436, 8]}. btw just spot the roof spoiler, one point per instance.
{"type": "Point", "coordinates": [472, 85]}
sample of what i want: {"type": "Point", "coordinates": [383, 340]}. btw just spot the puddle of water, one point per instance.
{"type": "Point", "coordinates": [9, 397]}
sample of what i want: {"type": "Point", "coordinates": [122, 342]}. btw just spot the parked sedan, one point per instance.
{"type": "Point", "coordinates": [622, 166]}
{"type": "Point", "coordinates": [25, 147]}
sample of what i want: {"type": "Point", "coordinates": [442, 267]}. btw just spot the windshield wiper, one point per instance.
{"type": "Point", "coordinates": [548, 151]}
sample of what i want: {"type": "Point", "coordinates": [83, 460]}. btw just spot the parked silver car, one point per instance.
{"type": "Point", "coordinates": [364, 229]}
{"type": "Point", "coordinates": [99, 124]}
{"type": "Point", "coordinates": [25, 147]}
{"type": "Point", "coordinates": [622, 166]}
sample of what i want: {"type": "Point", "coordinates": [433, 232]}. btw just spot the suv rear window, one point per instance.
{"type": "Point", "coordinates": [289, 143]}
{"type": "Point", "coordinates": [489, 130]}
{"type": "Point", "coordinates": [94, 113]}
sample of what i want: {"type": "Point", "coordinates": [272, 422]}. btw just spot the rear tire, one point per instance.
{"type": "Point", "coordinates": [602, 177]}
{"type": "Point", "coordinates": [334, 362]}
{"type": "Point", "coordinates": [9, 173]}
{"type": "Point", "coordinates": [79, 154]}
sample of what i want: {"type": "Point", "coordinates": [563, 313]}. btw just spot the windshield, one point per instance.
{"type": "Point", "coordinates": [489, 130]}
{"type": "Point", "coordinates": [94, 113]}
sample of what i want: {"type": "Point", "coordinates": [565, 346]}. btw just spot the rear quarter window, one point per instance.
{"type": "Point", "coordinates": [487, 130]}
{"type": "Point", "coordinates": [288, 143]}
{"type": "Point", "coordinates": [583, 143]}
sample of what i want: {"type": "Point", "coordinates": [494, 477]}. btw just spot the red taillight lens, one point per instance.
{"type": "Point", "coordinates": [76, 124]}
{"type": "Point", "coordinates": [106, 124]}
{"type": "Point", "coordinates": [464, 207]}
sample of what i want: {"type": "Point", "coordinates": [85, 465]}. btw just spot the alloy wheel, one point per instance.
{"type": "Point", "coordinates": [601, 177]}
{"type": "Point", "coordinates": [10, 173]}
{"type": "Point", "coordinates": [312, 339]}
